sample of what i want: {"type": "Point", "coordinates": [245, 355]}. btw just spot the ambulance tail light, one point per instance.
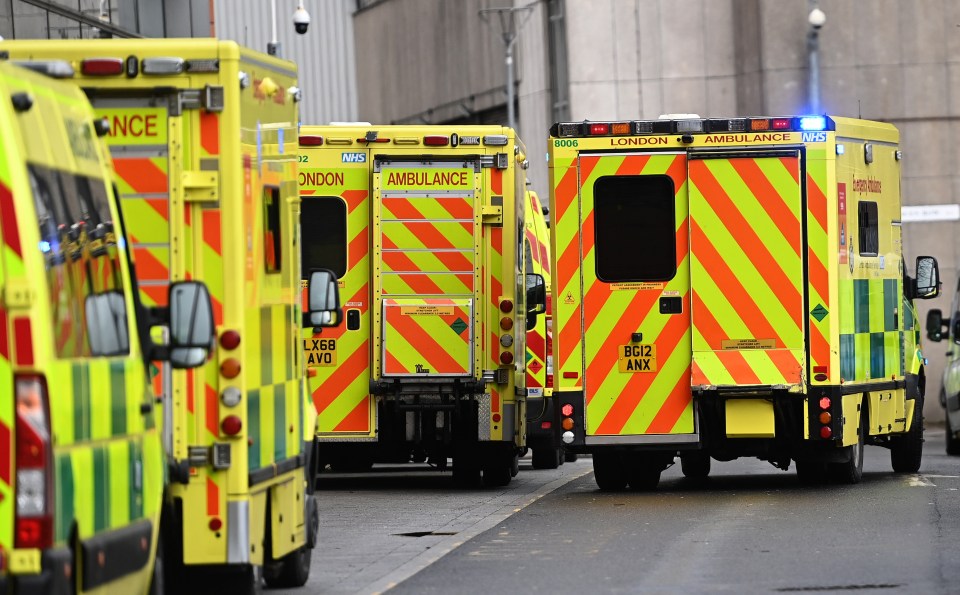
{"type": "Point", "coordinates": [621, 128]}
{"type": "Point", "coordinates": [569, 129]}
{"type": "Point", "coordinates": [101, 66]}
{"type": "Point", "coordinates": [436, 140]}
{"type": "Point", "coordinates": [568, 423]}
{"type": "Point", "coordinates": [781, 123]}
{"type": "Point", "coordinates": [231, 425]}
{"type": "Point", "coordinates": [310, 140]}
{"type": "Point", "coordinates": [506, 358]}
{"type": "Point", "coordinates": [230, 339]}
{"type": "Point", "coordinates": [506, 306]}
{"type": "Point", "coordinates": [33, 521]}
{"type": "Point", "coordinates": [598, 129]}
{"type": "Point", "coordinates": [759, 125]}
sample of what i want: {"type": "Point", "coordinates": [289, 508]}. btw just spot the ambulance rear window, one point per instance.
{"type": "Point", "coordinates": [323, 225]}
{"type": "Point", "coordinates": [869, 228]}
{"type": "Point", "coordinates": [635, 227]}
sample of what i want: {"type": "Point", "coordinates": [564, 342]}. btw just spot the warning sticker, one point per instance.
{"type": "Point", "coordinates": [426, 310]}
{"type": "Point", "coordinates": [748, 344]}
{"type": "Point", "coordinates": [636, 286]}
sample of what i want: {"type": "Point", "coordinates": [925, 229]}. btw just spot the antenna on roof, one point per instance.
{"type": "Point", "coordinates": [859, 111]}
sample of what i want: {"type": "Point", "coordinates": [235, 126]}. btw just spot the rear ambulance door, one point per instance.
{"type": "Point", "coordinates": [746, 268]}
{"type": "Point", "coordinates": [426, 231]}
{"type": "Point", "coordinates": [538, 262]}
{"type": "Point", "coordinates": [636, 313]}
{"type": "Point", "coordinates": [335, 232]}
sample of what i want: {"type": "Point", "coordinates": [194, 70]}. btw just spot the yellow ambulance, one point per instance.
{"type": "Point", "coordinates": [424, 227]}
{"type": "Point", "coordinates": [730, 287]}
{"type": "Point", "coordinates": [203, 135]}
{"type": "Point", "coordinates": [81, 461]}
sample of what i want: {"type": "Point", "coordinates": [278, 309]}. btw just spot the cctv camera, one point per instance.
{"type": "Point", "coordinates": [301, 20]}
{"type": "Point", "coordinates": [817, 18]}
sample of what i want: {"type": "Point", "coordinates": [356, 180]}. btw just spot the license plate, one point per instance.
{"type": "Point", "coordinates": [320, 352]}
{"type": "Point", "coordinates": [637, 357]}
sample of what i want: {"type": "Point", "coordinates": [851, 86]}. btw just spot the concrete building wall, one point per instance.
{"type": "Point", "coordinates": [324, 55]}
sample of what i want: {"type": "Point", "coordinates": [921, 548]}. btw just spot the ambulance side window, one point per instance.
{"type": "Point", "coordinates": [635, 228]}
{"type": "Point", "coordinates": [272, 260]}
{"type": "Point", "coordinates": [323, 227]}
{"type": "Point", "coordinates": [79, 246]}
{"type": "Point", "coordinates": [869, 228]}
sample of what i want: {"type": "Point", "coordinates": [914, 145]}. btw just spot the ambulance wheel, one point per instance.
{"type": "Point", "coordinates": [609, 472]}
{"type": "Point", "coordinates": [811, 472]}
{"type": "Point", "coordinates": [570, 457]}
{"type": "Point", "coordinates": [240, 579]}
{"type": "Point", "coordinates": [466, 472]}
{"type": "Point", "coordinates": [644, 474]}
{"type": "Point", "coordinates": [546, 458]}
{"type": "Point", "coordinates": [695, 464]}
{"type": "Point", "coordinates": [851, 471]}
{"type": "Point", "coordinates": [953, 443]}
{"type": "Point", "coordinates": [906, 451]}
{"type": "Point", "coordinates": [157, 586]}
{"type": "Point", "coordinates": [499, 473]}
{"type": "Point", "coordinates": [290, 571]}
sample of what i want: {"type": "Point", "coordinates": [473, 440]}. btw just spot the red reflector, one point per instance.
{"type": "Point", "coordinates": [781, 123]}
{"type": "Point", "coordinates": [546, 425]}
{"type": "Point", "coordinates": [825, 403]}
{"type": "Point", "coordinates": [567, 409]}
{"type": "Point", "coordinates": [506, 306]}
{"type": "Point", "coordinates": [549, 381]}
{"type": "Point", "coordinates": [436, 140]}
{"type": "Point", "coordinates": [215, 524]}
{"type": "Point", "coordinates": [819, 369]}
{"type": "Point", "coordinates": [230, 339]}
{"type": "Point", "coordinates": [599, 129]}
{"type": "Point", "coordinates": [34, 532]}
{"type": "Point", "coordinates": [309, 140]}
{"type": "Point", "coordinates": [102, 66]}
{"type": "Point", "coordinates": [820, 377]}
{"type": "Point", "coordinates": [506, 358]}
{"type": "Point", "coordinates": [570, 375]}
{"type": "Point", "coordinates": [496, 417]}
{"type": "Point", "coordinates": [826, 432]}
{"type": "Point", "coordinates": [231, 425]}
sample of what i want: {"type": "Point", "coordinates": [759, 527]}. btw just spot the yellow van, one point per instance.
{"type": "Point", "coordinates": [81, 463]}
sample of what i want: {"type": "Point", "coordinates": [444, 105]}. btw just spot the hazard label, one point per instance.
{"type": "Point", "coordinates": [535, 367]}
{"type": "Point", "coordinates": [748, 344]}
{"type": "Point", "coordinates": [426, 310]}
{"type": "Point", "coordinates": [637, 357]}
{"type": "Point", "coordinates": [458, 326]}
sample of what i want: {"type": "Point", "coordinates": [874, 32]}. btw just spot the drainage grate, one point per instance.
{"type": "Point", "coordinates": [837, 588]}
{"type": "Point", "coordinates": [424, 533]}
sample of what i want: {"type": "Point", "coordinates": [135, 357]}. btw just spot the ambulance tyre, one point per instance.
{"type": "Point", "coordinates": [157, 586]}
{"type": "Point", "coordinates": [906, 451]}
{"type": "Point", "coordinates": [570, 457]}
{"type": "Point", "coordinates": [499, 472]}
{"type": "Point", "coordinates": [546, 458]}
{"type": "Point", "coordinates": [695, 464]}
{"type": "Point", "coordinates": [466, 471]}
{"type": "Point", "coordinates": [290, 571]}
{"type": "Point", "coordinates": [953, 443]}
{"type": "Point", "coordinates": [644, 474]}
{"type": "Point", "coordinates": [609, 471]}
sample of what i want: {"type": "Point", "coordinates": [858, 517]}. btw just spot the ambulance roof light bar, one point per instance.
{"type": "Point", "coordinates": [687, 125]}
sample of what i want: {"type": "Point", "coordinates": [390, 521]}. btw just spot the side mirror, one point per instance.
{"type": "Point", "coordinates": [956, 329]}
{"type": "Point", "coordinates": [106, 315]}
{"type": "Point", "coordinates": [191, 324]}
{"type": "Point", "coordinates": [935, 325]}
{"type": "Point", "coordinates": [536, 298]}
{"type": "Point", "coordinates": [323, 308]}
{"type": "Point", "coordinates": [928, 278]}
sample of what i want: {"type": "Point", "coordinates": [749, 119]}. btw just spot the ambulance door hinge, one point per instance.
{"type": "Point", "coordinates": [191, 99]}
{"type": "Point", "coordinates": [492, 214]}
{"type": "Point", "coordinates": [200, 186]}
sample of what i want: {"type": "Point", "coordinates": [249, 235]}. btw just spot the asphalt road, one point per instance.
{"type": "Point", "coordinates": [750, 528]}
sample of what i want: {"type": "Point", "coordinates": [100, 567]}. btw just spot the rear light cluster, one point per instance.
{"type": "Point", "coordinates": [567, 422]}
{"type": "Point", "coordinates": [825, 418]}
{"type": "Point", "coordinates": [33, 524]}
{"type": "Point", "coordinates": [230, 397]}
{"type": "Point", "coordinates": [506, 339]}
{"type": "Point", "coordinates": [430, 140]}
{"type": "Point", "coordinates": [692, 124]}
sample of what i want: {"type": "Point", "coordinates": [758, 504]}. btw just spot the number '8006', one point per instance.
{"type": "Point", "coordinates": [565, 142]}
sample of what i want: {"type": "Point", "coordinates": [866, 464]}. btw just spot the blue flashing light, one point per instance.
{"type": "Point", "coordinates": [45, 246]}
{"type": "Point", "coordinates": [813, 123]}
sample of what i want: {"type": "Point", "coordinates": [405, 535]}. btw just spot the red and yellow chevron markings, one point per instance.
{"type": "Point", "coordinates": [818, 252]}
{"type": "Point", "coordinates": [427, 336]}
{"type": "Point", "coordinates": [635, 403]}
{"type": "Point", "coordinates": [746, 271]}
